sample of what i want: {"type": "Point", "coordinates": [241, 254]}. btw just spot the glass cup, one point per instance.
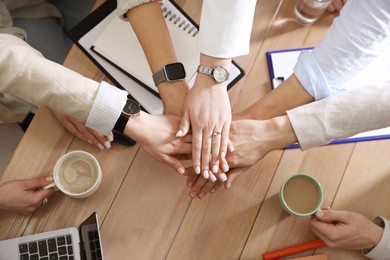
{"type": "Point", "coordinates": [301, 195]}
{"type": "Point", "coordinates": [76, 174]}
{"type": "Point", "coordinates": [308, 11]}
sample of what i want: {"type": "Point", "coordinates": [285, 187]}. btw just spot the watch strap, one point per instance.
{"type": "Point", "coordinates": [159, 76]}
{"type": "Point", "coordinates": [121, 123]}
{"type": "Point", "coordinates": [205, 70]}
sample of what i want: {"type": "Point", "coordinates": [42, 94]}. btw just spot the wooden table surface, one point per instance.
{"type": "Point", "coordinates": [143, 206]}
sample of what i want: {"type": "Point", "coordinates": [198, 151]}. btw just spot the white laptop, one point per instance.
{"type": "Point", "coordinates": [68, 243]}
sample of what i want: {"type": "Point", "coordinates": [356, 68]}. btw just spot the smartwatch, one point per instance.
{"type": "Point", "coordinates": [131, 109]}
{"type": "Point", "coordinates": [219, 74]}
{"type": "Point", "coordinates": [171, 72]}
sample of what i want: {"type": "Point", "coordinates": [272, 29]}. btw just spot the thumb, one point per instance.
{"type": "Point", "coordinates": [174, 163]}
{"type": "Point", "coordinates": [184, 126]}
{"type": "Point", "coordinates": [329, 216]}
{"type": "Point", "coordinates": [37, 182]}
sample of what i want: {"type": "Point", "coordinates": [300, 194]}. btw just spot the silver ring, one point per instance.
{"type": "Point", "coordinates": [216, 133]}
{"type": "Point", "coordinates": [44, 201]}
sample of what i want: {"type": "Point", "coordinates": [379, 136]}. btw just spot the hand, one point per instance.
{"type": "Point", "coordinates": [253, 139]}
{"type": "Point", "coordinates": [156, 135]}
{"type": "Point", "coordinates": [78, 129]}
{"type": "Point", "coordinates": [207, 112]}
{"type": "Point", "coordinates": [337, 5]}
{"type": "Point", "coordinates": [345, 229]}
{"type": "Point", "coordinates": [24, 196]}
{"type": "Point", "coordinates": [200, 187]}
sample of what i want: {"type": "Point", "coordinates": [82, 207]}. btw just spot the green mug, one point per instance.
{"type": "Point", "coordinates": [301, 195]}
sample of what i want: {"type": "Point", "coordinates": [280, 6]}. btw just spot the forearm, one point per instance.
{"type": "Point", "coordinates": [358, 36]}
{"type": "Point", "coordinates": [152, 32]}
{"type": "Point", "coordinates": [342, 115]}
{"type": "Point", "coordinates": [288, 95]}
{"type": "Point", "coordinates": [25, 73]}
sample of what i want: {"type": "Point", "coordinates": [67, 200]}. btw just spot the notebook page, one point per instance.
{"type": "Point", "coordinates": [119, 44]}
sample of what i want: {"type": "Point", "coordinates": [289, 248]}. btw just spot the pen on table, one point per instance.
{"type": "Point", "coordinates": [277, 81]}
{"type": "Point", "coordinates": [294, 249]}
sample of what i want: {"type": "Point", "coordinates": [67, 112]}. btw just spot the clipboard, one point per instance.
{"type": "Point", "coordinates": [85, 34]}
{"type": "Point", "coordinates": [280, 66]}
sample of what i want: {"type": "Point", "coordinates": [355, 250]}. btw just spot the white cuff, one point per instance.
{"type": "Point", "coordinates": [106, 109]}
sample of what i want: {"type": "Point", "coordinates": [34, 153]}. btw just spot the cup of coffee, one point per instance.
{"type": "Point", "coordinates": [308, 11]}
{"type": "Point", "coordinates": [77, 174]}
{"type": "Point", "coordinates": [301, 195]}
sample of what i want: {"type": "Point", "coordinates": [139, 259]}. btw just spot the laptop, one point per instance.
{"type": "Point", "coordinates": [68, 243]}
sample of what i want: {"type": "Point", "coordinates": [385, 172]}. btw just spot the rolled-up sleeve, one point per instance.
{"type": "Point", "coordinates": [358, 36]}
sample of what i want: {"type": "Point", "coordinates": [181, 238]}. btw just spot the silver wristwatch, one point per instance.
{"type": "Point", "coordinates": [219, 74]}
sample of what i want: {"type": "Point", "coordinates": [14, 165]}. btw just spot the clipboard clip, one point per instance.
{"type": "Point", "coordinates": [277, 81]}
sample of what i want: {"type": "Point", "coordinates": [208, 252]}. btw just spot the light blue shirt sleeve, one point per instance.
{"type": "Point", "coordinates": [358, 36]}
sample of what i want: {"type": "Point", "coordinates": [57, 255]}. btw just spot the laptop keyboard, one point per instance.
{"type": "Point", "coordinates": [94, 244]}
{"type": "Point", "coordinates": [55, 248]}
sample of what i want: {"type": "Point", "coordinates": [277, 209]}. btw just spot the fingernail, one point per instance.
{"type": "Point", "coordinates": [212, 190]}
{"type": "Point", "coordinates": [223, 154]}
{"type": "Point", "coordinates": [110, 138]}
{"type": "Point", "coordinates": [107, 145]}
{"type": "Point", "coordinates": [212, 177]}
{"type": "Point", "coordinates": [180, 170]}
{"type": "Point", "coordinates": [193, 194]}
{"type": "Point", "coordinates": [231, 149]}
{"type": "Point", "coordinates": [179, 133]}
{"type": "Point", "coordinates": [197, 169]}
{"type": "Point", "coordinates": [225, 167]}
{"type": "Point", "coordinates": [320, 213]}
{"type": "Point", "coordinates": [222, 177]}
{"type": "Point", "coordinates": [49, 178]}
{"type": "Point", "coordinates": [215, 168]}
{"type": "Point", "coordinates": [206, 174]}
{"type": "Point", "coordinates": [202, 194]}
{"type": "Point", "coordinates": [101, 147]}
{"type": "Point", "coordinates": [89, 141]}
{"type": "Point", "coordinates": [190, 184]}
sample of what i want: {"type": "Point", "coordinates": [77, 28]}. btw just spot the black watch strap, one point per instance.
{"type": "Point", "coordinates": [121, 123]}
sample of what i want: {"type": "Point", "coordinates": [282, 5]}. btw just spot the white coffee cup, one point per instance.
{"type": "Point", "coordinates": [76, 174]}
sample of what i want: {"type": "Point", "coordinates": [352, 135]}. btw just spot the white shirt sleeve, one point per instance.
{"type": "Point", "coordinates": [106, 108]}
{"type": "Point", "coordinates": [359, 35]}
{"type": "Point", "coordinates": [225, 27]}
{"type": "Point", "coordinates": [342, 115]}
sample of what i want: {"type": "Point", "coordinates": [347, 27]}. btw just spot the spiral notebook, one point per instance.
{"type": "Point", "coordinates": [118, 44]}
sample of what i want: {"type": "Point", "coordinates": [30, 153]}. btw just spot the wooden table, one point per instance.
{"type": "Point", "coordinates": [144, 208]}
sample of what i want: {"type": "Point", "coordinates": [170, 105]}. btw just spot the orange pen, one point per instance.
{"type": "Point", "coordinates": [294, 249]}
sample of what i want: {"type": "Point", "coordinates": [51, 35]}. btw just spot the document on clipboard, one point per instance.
{"type": "Point", "coordinates": [281, 64]}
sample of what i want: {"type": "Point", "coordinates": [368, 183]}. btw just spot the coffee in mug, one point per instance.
{"type": "Point", "coordinates": [301, 195]}
{"type": "Point", "coordinates": [77, 174]}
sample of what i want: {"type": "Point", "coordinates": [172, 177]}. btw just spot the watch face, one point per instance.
{"type": "Point", "coordinates": [220, 74]}
{"type": "Point", "coordinates": [175, 71]}
{"type": "Point", "coordinates": [132, 108]}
